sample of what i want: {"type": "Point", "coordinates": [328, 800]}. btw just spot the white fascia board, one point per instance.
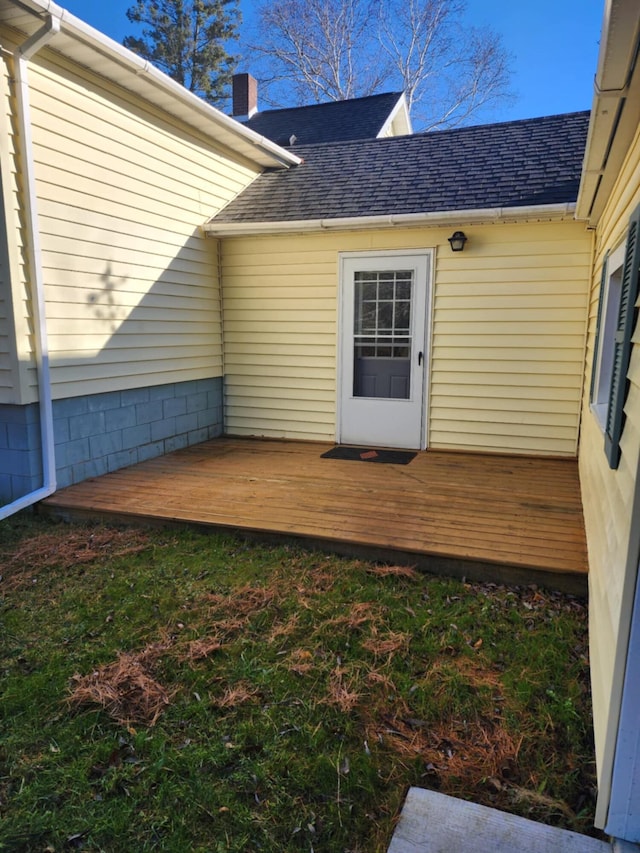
{"type": "Point", "coordinates": [399, 113]}
{"type": "Point", "coordinates": [535, 213]}
{"type": "Point", "coordinates": [96, 51]}
{"type": "Point", "coordinates": [614, 115]}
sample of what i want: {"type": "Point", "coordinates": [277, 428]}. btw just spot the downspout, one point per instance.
{"type": "Point", "coordinates": [21, 57]}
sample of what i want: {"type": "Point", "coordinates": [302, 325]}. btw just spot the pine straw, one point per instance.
{"type": "Point", "coordinates": [534, 799]}
{"type": "Point", "coordinates": [375, 677]}
{"type": "Point", "coordinates": [477, 673]}
{"type": "Point", "coordinates": [244, 602]}
{"type": "Point", "coordinates": [340, 692]}
{"type": "Point", "coordinates": [282, 630]}
{"type": "Point", "coordinates": [239, 694]}
{"type": "Point", "coordinates": [463, 752]}
{"type": "Point", "coordinates": [300, 661]}
{"type": "Point", "coordinates": [67, 547]}
{"type": "Point", "coordinates": [394, 571]}
{"type": "Point", "coordinates": [203, 647]}
{"type": "Point", "coordinates": [317, 580]}
{"type": "Point", "coordinates": [387, 644]}
{"type": "Point", "coordinates": [358, 615]}
{"type": "Point", "coordinates": [125, 689]}
{"type": "Point", "coordinates": [227, 615]}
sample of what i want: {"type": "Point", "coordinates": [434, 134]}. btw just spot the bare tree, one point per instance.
{"type": "Point", "coordinates": [185, 38]}
{"type": "Point", "coordinates": [318, 50]}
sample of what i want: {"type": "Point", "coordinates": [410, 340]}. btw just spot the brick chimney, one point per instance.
{"type": "Point", "coordinates": [245, 95]}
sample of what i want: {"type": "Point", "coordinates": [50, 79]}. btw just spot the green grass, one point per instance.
{"type": "Point", "coordinates": [300, 695]}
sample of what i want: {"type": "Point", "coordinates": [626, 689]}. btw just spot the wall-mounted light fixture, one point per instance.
{"type": "Point", "coordinates": [457, 241]}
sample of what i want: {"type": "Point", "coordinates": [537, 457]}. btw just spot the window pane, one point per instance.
{"type": "Point", "coordinates": [385, 317]}
{"type": "Point", "coordinates": [368, 317]}
{"type": "Point", "coordinates": [370, 291]}
{"type": "Point", "coordinates": [402, 315]}
{"type": "Point", "coordinates": [403, 287]}
{"type": "Point", "coordinates": [385, 290]}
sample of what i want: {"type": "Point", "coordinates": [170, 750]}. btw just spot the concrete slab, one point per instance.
{"type": "Point", "coordinates": [435, 823]}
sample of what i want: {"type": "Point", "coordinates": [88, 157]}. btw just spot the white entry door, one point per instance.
{"type": "Point", "coordinates": [383, 349]}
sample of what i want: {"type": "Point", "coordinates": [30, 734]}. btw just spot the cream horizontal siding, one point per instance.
{"type": "Point", "coordinates": [131, 284]}
{"type": "Point", "coordinates": [6, 348]}
{"type": "Point", "coordinates": [279, 298]}
{"type": "Point", "coordinates": [507, 344]}
{"type": "Point", "coordinates": [607, 495]}
{"type": "Point", "coordinates": [17, 373]}
{"type": "Point", "coordinates": [510, 315]}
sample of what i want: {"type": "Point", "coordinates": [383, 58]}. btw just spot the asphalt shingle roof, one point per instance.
{"type": "Point", "coordinates": [513, 164]}
{"type": "Point", "coordinates": [359, 118]}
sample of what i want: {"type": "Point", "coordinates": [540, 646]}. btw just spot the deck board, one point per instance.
{"type": "Point", "coordinates": [481, 515]}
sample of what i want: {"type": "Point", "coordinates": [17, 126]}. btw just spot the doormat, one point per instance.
{"type": "Point", "coordinates": [362, 454]}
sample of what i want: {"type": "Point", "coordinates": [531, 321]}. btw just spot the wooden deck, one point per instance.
{"type": "Point", "coordinates": [491, 517]}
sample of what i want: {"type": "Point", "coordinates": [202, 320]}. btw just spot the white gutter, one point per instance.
{"type": "Point", "coordinates": [611, 126]}
{"type": "Point", "coordinates": [541, 212]}
{"type": "Point", "coordinates": [75, 26]}
{"type": "Point", "coordinates": [143, 70]}
{"type": "Point", "coordinates": [21, 57]}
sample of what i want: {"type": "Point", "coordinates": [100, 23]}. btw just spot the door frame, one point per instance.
{"type": "Point", "coordinates": [429, 255]}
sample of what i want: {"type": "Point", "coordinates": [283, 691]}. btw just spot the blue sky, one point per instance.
{"type": "Point", "coordinates": [554, 45]}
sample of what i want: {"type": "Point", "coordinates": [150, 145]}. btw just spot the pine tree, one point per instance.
{"type": "Point", "coordinates": [185, 39]}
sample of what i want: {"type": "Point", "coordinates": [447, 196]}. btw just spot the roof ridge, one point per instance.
{"type": "Point", "coordinates": [324, 104]}
{"type": "Point", "coordinates": [530, 120]}
{"type": "Point", "coordinates": [391, 140]}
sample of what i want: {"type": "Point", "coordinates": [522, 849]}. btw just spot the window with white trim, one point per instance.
{"type": "Point", "coordinates": [617, 317]}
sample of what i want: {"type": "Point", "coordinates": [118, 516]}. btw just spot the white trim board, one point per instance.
{"type": "Point", "coordinates": [379, 420]}
{"type": "Point", "coordinates": [434, 823]}
{"type": "Point", "coordinates": [623, 820]}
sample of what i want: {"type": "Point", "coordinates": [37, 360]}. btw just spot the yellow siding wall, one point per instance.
{"type": "Point", "coordinates": [507, 345]}
{"type": "Point", "coordinates": [131, 284]}
{"type": "Point", "coordinates": [607, 495]}
{"type": "Point", "coordinates": [16, 342]}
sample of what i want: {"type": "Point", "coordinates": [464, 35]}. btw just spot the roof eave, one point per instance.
{"type": "Point", "coordinates": [399, 116]}
{"type": "Point", "coordinates": [536, 213]}
{"type": "Point", "coordinates": [96, 51]}
{"type": "Point", "coordinates": [615, 110]}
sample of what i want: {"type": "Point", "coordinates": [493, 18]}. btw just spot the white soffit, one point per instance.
{"type": "Point", "coordinates": [398, 122]}
{"type": "Point", "coordinates": [93, 50]}
{"type": "Point", "coordinates": [616, 107]}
